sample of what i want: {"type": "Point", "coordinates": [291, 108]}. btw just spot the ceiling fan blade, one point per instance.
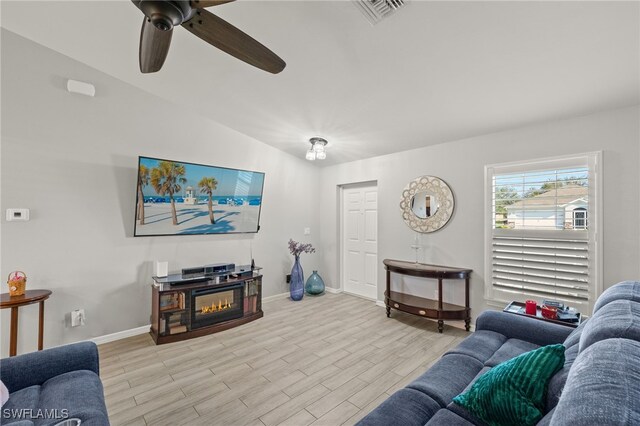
{"type": "Point", "coordinates": [221, 34]}
{"type": "Point", "coordinates": [154, 46]}
{"type": "Point", "coordinates": [199, 4]}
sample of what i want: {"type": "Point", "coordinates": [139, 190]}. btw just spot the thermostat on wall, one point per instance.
{"type": "Point", "coordinates": [17, 214]}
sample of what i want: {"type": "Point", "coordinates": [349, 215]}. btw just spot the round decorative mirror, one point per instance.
{"type": "Point", "coordinates": [427, 204]}
{"type": "Point", "coordinates": [424, 204]}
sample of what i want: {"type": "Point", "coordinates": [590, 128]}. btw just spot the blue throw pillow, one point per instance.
{"type": "Point", "coordinates": [514, 391]}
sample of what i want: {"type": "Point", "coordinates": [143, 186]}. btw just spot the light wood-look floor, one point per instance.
{"type": "Point", "coordinates": [325, 360]}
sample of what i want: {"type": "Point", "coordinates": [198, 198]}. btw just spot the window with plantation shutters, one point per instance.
{"type": "Point", "coordinates": [542, 231]}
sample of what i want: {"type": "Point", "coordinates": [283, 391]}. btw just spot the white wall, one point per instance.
{"type": "Point", "coordinates": [72, 160]}
{"type": "Point", "coordinates": [461, 165]}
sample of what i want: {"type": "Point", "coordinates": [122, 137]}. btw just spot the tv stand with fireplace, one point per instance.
{"type": "Point", "coordinates": [186, 307]}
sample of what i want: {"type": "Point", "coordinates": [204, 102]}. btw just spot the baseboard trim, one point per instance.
{"type": "Point", "coordinates": [121, 335]}
{"type": "Point", "coordinates": [285, 295]}
{"type": "Point", "coordinates": [275, 297]}
{"type": "Point", "coordinates": [380, 303]}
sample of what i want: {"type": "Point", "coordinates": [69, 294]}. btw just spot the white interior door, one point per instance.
{"type": "Point", "coordinates": [360, 239]}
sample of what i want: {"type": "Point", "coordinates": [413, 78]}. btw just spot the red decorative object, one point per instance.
{"type": "Point", "coordinates": [549, 312]}
{"type": "Point", "coordinates": [531, 307]}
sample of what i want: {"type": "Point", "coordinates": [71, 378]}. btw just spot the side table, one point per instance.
{"type": "Point", "coordinates": [518, 308]}
{"type": "Point", "coordinates": [428, 308]}
{"type": "Point", "coordinates": [14, 302]}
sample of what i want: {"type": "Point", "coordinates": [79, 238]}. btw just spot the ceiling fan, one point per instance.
{"type": "Point", "coordinates": [161, 16]}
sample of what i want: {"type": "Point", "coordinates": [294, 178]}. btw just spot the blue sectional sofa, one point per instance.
{"type": "Point", "coordinates": [598, 385]}
{"type": "Point", "coordinates": [50, 386]}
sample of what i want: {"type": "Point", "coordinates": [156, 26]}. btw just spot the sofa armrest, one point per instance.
{"type": "Point", "coordinates": [35, 368]}
{"type": "Point", "coordinates": [519, 327]}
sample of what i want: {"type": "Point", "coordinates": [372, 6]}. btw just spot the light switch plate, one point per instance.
{"type": "Point", "coordinates": [307, 231]}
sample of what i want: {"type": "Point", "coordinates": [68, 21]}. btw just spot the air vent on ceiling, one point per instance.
{"type": "Point", "coordinates": [377, 10]}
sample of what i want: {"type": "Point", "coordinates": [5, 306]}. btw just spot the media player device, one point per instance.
{"type": "Point", "coordinates": [208, 270]}
{"type": "Point", "coordinates": [219, 268]}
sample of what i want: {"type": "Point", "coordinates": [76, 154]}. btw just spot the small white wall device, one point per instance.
{"type": "Point", "coordinates": [78, 318]}
{"type": "Point", "coordinates": [81, 88]}
{"type": "Point", "coordinates": [162, 269]}
{"type": "Point", "coordinates": [17, 214]}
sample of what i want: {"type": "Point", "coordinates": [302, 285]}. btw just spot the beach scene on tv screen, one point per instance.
{"type": "Point", "coordinates": [177, 198]}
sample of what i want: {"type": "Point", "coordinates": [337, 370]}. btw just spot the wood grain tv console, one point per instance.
{"type": "Point", "coordinates": [183, 308]}
{"type": "Point", "coordinates": [428, 308]}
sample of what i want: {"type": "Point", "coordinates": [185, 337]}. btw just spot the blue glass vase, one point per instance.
{"type": "Point", "coordinates": [314, 284]}
{"type": "Point", "coordinates": [297, 281]}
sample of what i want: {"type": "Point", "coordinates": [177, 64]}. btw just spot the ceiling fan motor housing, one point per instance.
{"type": "Point", "coordinates": [165, 15]}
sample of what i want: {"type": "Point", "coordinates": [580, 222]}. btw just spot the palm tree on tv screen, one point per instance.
{"type": "Point", "coordinates": [207, 185]}
{"type": "Point", "coordinates": [166, 179]}
{"type": "Point", "coordinates": [143, 180]}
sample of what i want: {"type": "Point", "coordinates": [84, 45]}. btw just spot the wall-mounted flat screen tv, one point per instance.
{"type": "Point", "coordinates": [178, 198]}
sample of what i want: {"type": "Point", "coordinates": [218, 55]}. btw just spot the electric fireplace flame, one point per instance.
{"type": "Point", "coordinates": [212, 306]}
{"type": "Point", "coordinates": [221, 306]}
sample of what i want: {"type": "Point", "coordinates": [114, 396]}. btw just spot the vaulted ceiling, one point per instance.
{"type": "Point", "coordinates": [431, 73]}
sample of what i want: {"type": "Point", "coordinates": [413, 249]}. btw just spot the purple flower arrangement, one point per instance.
{"type": "Point", "coordinates": [297, 248]}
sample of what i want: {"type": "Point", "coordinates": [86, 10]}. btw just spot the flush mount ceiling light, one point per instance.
{"type": "Point", "coordinates": [317, 150]}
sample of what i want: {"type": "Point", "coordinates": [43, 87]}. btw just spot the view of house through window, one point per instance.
{"type": "Point", "coordinates": [540, 238]}
{"type": "Point", "coordinates": [545, 199]}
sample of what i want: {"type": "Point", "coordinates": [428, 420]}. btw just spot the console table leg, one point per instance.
{"type": "Point", "coordinates": [13, 338]}
{"type": "Point", "coordinates": [467, 324]}
{"type": "Point", "coordinates": [41, 326]}
{"type": "Point", "coordinates": [388, 311]}
{"type": "Point", "coordinates": [440, 326]}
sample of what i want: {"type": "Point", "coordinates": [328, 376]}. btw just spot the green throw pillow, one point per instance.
{"type": "Point", "coordinates": [513, 392]}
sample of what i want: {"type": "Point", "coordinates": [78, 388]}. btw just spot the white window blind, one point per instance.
{"type": "Point", "coordinates": [541, 231]}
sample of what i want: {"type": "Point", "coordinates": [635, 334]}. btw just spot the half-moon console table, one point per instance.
{"type": "Point", "coordinates": [14, 302]}
{"type": "Point", "coordinates": [423, 307]}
